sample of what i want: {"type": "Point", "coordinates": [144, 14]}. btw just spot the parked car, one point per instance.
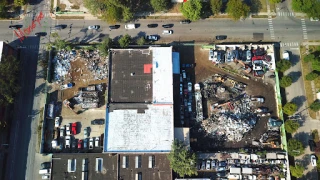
{"type": "Point", "coordinates": [222, 164]}
{"type": "Point", "coordinates": [62, 131]}
{"type": "Point", "coordinates": [214, 164]}
{"type": "Point", "coordinates": [67, 86]}
{"type": "Point", "coordinates": [152, 25]}
{"type": "Point", "coordinates": [74, 144]}
{"type": "Point", "coordinates": [15, 26]}
{"type": "Point", "coordinates": [167, 25]}
{"type": "Point", "coordinates": [79, 144]}
{"type": "Point", "coordinates": [40, 34]}
{"type": "Point", "coordinates": [57, 122]}
{"type": "Point", "coordinates": [186, 21]}
{"type": "Point", "coordinates": [221, 168]}
{"type": "Point", "coordinates": [68, 132]}
{"type": "Point", "coordinates": [221, 37]}
{"type": "Point", "coordinates": [312, 145]}
{"type": "Point", "coordinates": [68, 141]}
{"type": "Point", "coordinates": [286, 55]}
{"type": "Point", "coordinates": [221, 173]}
{"type": "Point", "coordinates": [45, 165]}
{"type": "Point", "coordinates": [114, 27]}
{"type": "Point", "coordinates": [208, 164]}
{"type": "Point", "coordinates": [74, 128]}
{"type": "Point", "coordinates": [97, 122]}
{"type": "Point", "coordinates": [96, 142]}
{"type": "Point", "coordinates": [45, 177]}
{"type": "Point", "coordinates": [167, 32]}
{"type": "Point", "coordinates": [152, 38]}
{"type": "Point", "coordinates": [60, 26]}
{"type": "Point", "coordinates": [189, 86]}
{"type": "Point", "coordinates": [314, 19]}
{"type": "Point", "coordinates": [249, 56]}
{"type": "Point", "coordinates": [130, 26]}
{"type": "Point", "coordinates": [95, 27]}
{"type": "Point", "coordinates": [91, 143]}
{"type": "Point", "coordinates": [313, 160]}
{"type": "Point", "coordinates": [85, 143]}
{"type": "Point", "coordinates": [85, 132]}
{"type": "Point", "coordinates": [203, 165]}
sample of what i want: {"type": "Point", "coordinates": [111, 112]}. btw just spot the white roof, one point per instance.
{"type": "Point", "coordinates": [246, 170]}
{"type": "Point", "coordinates": [162, 76]}
{"type": "Point", "coordinates": [235, 170]}
{"type": "Point", "coordinates": [130, 131]}
{"type": "Point", "coordinates": [1, 49]}
{"type": "Point", "coordinates": [271, 156]}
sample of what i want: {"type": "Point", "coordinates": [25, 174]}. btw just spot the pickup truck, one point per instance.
{"type": "Point", "coordinates": [66, 86]}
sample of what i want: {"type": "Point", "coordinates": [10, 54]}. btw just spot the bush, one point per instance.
{"type": "Point", "coordinates": [315, 135]}
{"type": "Point", "coordinates": [283, 65]}
{"type": "Point", "coordinates": [311, 76]}
{"type": "Point", "coordinates": [75, 7]}
{"type": "Point", "coordinates": [141, 41]}
{"type": "Point", "coordinates": [291, 126]}
{"type": "Point", "coordinates": [192, 9]}
{"type": "Point", "coordinates": [309, 58]}
{"type": "Point", "coordinates": [216, 6]}
{"type": "Point", "coordinates": [285, 81]}
{"type": "Point", "coordinates": [125, 40]}
{"type": "Point", "coordinates": [104, 46]}
{"type": "Point", "coordinates": [237, 9]}
{"type": "Point", "coordinates": [159, 5]}
{"type": "Point", "coordinates": [290, 108]}
{"type": "Point", "coordinates": [295, 147]}
{"type": "Point", "coordinates": [315, 106]}
{"type": "Point", "coordinates": [297, 171]}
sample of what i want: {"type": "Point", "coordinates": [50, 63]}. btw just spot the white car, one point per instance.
{"type": "Point", "coordinates": [68, 139]}
{"type": "Point", "coordinates": [91, 143]}
{"type": "Point", "coordinates": [189, 86]}
{"type": "Point", "coordinates": [286, 55]}
{"type": "Point", "coordinates": [167, 32]}
{"type": "Point", "coordinates": [208, 164]}
{"type": "Point", "coordinates": [62, 131]}
{"type": "Point", "coordinates": [85, 133]}
{"type": "Point", "coordinates": [57, 122]}
{"type": "Point", "coordinates": [314, 19]}
{"type": "Point", "coordinates": [96, 142]}
{"type": "Point", "coordinates": [96, 27]}
{"type": "Point", "coordinates": [68, 132]}
{"type": "Point", "coordinates": [313, 160]}
{"type": "Point", "coordinates": [45, 177]}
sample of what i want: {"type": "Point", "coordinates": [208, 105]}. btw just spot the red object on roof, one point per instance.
{"type": "Point", "coordinates": [259, 58]}
{"type": "Point", "coordinates": [147, 68]}
{"type": "Point", "coordinates": [185, 0]}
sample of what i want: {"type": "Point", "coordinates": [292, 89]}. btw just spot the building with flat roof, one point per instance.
{"type": "Point", "coordinates": [139, 115]}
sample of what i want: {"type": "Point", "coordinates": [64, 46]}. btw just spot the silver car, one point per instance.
{"type": "Point", "coordinates": [85, 133]}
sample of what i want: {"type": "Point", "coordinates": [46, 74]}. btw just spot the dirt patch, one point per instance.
{"type": "Point", "coordinates": [204, 69]}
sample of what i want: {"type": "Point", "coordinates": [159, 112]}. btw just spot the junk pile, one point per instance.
{"type": "Point", "coordinates": [61, 63]}
{"type": "Point", "coordinates": [233, 112]}
{"type": "Point", "coordinates": [96, 64]}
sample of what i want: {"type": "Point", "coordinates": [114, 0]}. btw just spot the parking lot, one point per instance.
{"type": "Point", "coordinates": [204, 69]}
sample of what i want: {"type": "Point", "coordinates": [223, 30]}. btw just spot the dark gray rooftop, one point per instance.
{"type": "Point", "coordinates": [60, 166]}
{"type": "Point", "coordinates": [128, 81]}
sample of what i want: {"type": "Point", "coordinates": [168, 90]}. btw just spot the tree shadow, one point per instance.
{"type": "Point", "coordinates": [43, 88]}
{"type": "Point", "coordinates": [294, 59]}
{"type": "Point", "coordinates": [140, 34]}
{"type": "Point", "coordinates": [310, 175]}
{"type": "Point", "coordinates": [87, 38]}
{"type": "Point", "coordinates": [299, 100]}
{"type": "Point", "coordinates": [303, 137]}
{"type": "Point", "coordinates": [295, 76]}
{"type": "Point", "coordinates": [75, 40]}
{"type": "Point", "coordinates": [305, 161]}
{"type": "Point", "coordinates": [40, 74]}
{"type": "Point", "coordinates": [255, 5]}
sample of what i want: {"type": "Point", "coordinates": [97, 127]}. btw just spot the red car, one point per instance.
{"type": "Point", "coordinates": [74, 128]}
{"type": "Point", "coordinates": [79, 144]}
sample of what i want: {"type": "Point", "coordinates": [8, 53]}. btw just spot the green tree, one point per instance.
{"type": "Point", "coordinates": [216, 6]}
{"type": "Point", "coordinates": [113, 14]}
{"type": "Point", "coordinates": [290, 108]}
{"type": "Point", "coordinates": [191, 9]}
{"type": "Point", "coordinates": [125, 40]}
{"type": "Point", "coordinates": [275, 1]}
{"type": "Point", "coordinates": [95, 7]}
{"type": "Point", "coordinates": [127, 15]}
{"type": "Point", "coordinates": [141, 41]}
{"type": "Point", "coordinates": [312, 76]}
{"type": "Point", "coordinates": [291, 126]}
{"type": "Point", "coordinates": [159, 5]}
{"type": "Point", "coordinates": [295, 147]}
{"type": "Point", "coordinates": [9, 73]}
{"type": "Point", "coordinates": [318, 163]}
{"type": "Point", "coordinates": [182, 161]}
{"type": "Point", "coordinates": [309, 58]}
{"type": "Point", "coordinates": [297, 171]}
{"type": "Point", "coordinates": [19, 2]}
{"type": "Point", "coordinates": [3, 8]}
{"type": "Point", "coordinates": [315, 64]}
{"type": "Point", "coordinates": [237, 9]}
{"type": "Point", "coordinates": [104, 46]}
{"type": "Point", "coordinates": [315, 106]}
{"type": "Point", "coordinates": [283, 65]}
{"type": "Point", "coordinates": [285, 81]}
{"type": "Point", "coordinates": [315, 135]}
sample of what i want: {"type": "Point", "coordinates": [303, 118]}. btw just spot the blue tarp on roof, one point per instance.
{"type": "Point", "coordinates": [176, 63]}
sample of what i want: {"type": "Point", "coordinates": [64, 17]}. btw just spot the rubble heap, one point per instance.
{"type": "Point", "coordinates": [61, 63]}
{"type": "Point", "coordinates": [96, 64]}
{"type": "Point", "coordinates": [233, 111]}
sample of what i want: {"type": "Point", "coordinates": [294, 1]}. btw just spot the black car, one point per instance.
{"type": "Point", "coordinates": [187, 21]}
{"type": "Point", "coordinates": [152, 25]}
{"type": "Point", "coordinates": [40, 34]}
{"type": "Point", "coordinates": [221, 37]}
{"type": "Point", "coordinates": [222, 164]}
{"type": "Point", "coordinates": [97, 122]}
{"type": "Point", "coordinates": [114, 27]}
{"type": "Point", "coordinates": [167, 25]}
{"type": "Point", "coordinates": [312, 145]}
{"type": "Point", "coordinates": [45, 165]}
{"type": "Point", "coordinates": [15, 26]}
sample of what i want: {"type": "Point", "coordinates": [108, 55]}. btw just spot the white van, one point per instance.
{"type": "Point", "coordinates": [44, 171]}
{"type": "Point", "coordinates": [130, 26]}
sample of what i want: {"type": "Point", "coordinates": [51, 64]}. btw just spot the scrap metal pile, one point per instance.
{"type": "Point", "coordinates": [61, 63]}
{"type": "Point", "coordinates": [96, 64]}
{"type": "Point", "coordinates": [233, 112]}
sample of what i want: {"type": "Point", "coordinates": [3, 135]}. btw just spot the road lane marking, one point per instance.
{"type": "Point", "coordinates": [289, 44]}
{"type": "Point", "coordinates": [304, 29]}
{"type": "Point", "coordinates": [285, 14]}
{"type": "Point", "coordinates": [271, 28]}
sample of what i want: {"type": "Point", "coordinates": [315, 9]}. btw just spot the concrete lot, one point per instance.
{"type": "Point", "coordinates": [60, 166]}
